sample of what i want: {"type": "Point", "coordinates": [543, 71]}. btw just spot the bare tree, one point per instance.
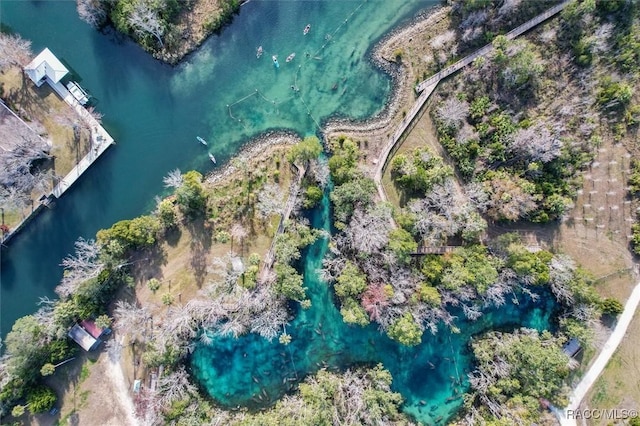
{"type": "Point", "coordinates": [11, 198]}
{"type": "Point", "coordinates": [14, 50]}
{"type": "Point", "coordinates": [20, 147]}
{"type": "Point", "coordinates": [453, 112]}
{"type": "Point", "coordinates": [270, 201]}
{"type": "Point", "coordinates": [536, 143]}
{"type": "Point", "coordinates": [174, 179]}
{"type": "Point", "coordinates": [319, 169]}
{"type": "Point", "coordinates": [510, 197]}
{"type": "Point", "coordinates": [146, 20]}
{"type": "Point", "coordinates": [561, 271]}
{"type": "Point", "coordinates": [92, 11]}
{"type": "Point", "coordinates": [97, 115]}
{"type": "Point", "coordinates": [84, 265]}
{"type": "Point", "coordinates": [238, 232]}
{"type": "Point", "coordinates": [130, 319]}
{"type": "Point", "coordinates": [374, 300]}
{"type": "Point", "coordinates": [369, 232]}
{"type": "Point", "coordinates": [269, 322]}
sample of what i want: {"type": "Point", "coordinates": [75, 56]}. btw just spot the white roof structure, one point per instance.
{"type": "Point", "coordinates": [45, 65]}
{"type": "Point", "coordinates": [83, 338]}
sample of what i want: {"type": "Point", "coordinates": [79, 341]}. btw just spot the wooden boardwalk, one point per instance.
{"type": "Point", "coordinates": [286, 213]}
{"type": "Point", "coordinates": [434, 250]}
{"type": "Point", "coordinates": [426, 88]}
{"type": "Point", "coordinates": [434, 79]}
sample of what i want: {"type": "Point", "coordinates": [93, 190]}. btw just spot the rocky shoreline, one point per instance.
{"type": "Point", "coordinates": [382, 123]}
{"type": "Point", "coordinates": [382, 57]}
{"type": "Point", "coordinates": [253, 149]}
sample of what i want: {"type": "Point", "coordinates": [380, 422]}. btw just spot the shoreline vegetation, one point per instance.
{"type": "Point", "coordinates": [372, 267]}
{"type": "Point", "coordinates": [168, 29]}
{"type": "Point", "coordinates": [42, 139]}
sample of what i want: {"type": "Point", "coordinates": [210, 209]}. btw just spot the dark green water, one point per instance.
{"type": "Point", "coordinates": [431, 376]}
{"type": "Point", "coordinates": [154, 111]}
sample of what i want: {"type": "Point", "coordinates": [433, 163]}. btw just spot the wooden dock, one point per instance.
{"type": "Point", "coordinates": [422, 251]}
{"type": "Point", "coordinates": [100, 140]}
{"type": "Point", "coordinates": [426, 88]}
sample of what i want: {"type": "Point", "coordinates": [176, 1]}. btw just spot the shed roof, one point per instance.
{"type": "Point", "coordinates": [83, 338]}
{"type": "Point", "coordinates": [572, 347]}
{"type": "Point", "coordinates": [92, 328]}
{"type": "Point", "coordinates": [46, 65]}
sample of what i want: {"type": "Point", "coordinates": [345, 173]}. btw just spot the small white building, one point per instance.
{"type": "Point", "coordinates": [45, 66]}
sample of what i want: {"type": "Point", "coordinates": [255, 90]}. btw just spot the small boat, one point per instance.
{"type": "Point", "coordinates": [275, 61]}
{"type": "Point", "coordinates": [202, 141]}
{"type": "Point", "coordinates": [212, 158]}
{"type": "Point", "coordinates": [259, 52]}
{"type": "Point", "coordinates": [306, 29]}
{"type": "Point", "coordinates": [290, 57]}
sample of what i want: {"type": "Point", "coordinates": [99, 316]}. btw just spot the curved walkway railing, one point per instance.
{"type": "Point", "coordinates": [428, 86]}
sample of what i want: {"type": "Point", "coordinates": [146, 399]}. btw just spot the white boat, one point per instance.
{"type": "Point", "coordinates": [275, 61]}
{"type": "Point", "coordinates": [306, 29]}
{"type": "Point", "coordinates": [212, 158]}
{"type": "Point", "coordinates": [202, 141]}
{"type": "Point", "coordinates": [259, 52]}
{"type": "Point", "coordinates": [290, 57]}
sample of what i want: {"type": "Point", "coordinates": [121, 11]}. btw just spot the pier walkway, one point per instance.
{"type": "Point", "coordinates": [291, 202]}
{"type": "Point", "coordinates": [434, 250]}
{"type": "Point", "coordinates": [100, 140]}
{"type": "Point", "coordinates": [426, 88]}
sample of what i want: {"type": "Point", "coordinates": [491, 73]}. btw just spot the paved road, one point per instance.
{"type": "Point", "coordinates": [600, 363]}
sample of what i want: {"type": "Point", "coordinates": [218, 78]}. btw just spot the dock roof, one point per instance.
{"type": "Point", "coordinates": [46, 65]}
{"type": "Point", "coordinates": [572, 347]}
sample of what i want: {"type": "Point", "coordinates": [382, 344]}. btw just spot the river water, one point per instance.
{"type": "Point", "coordinates": [227, 95]}
{"type": "Point", "coordinates": [155, 111]}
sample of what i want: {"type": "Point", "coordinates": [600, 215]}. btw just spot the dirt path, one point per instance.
{"type": "Point", "coordinates": [603, 358]}
{"type": "Point", "coordinates": [113, 372]}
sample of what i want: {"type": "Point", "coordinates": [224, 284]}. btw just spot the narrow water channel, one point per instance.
{"type": "Point", "coordinates": [222, 93]}
{"type": "Point", "coordinates": [227, 95]}
{"type": "Point", "coordinates": [251, 371]}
